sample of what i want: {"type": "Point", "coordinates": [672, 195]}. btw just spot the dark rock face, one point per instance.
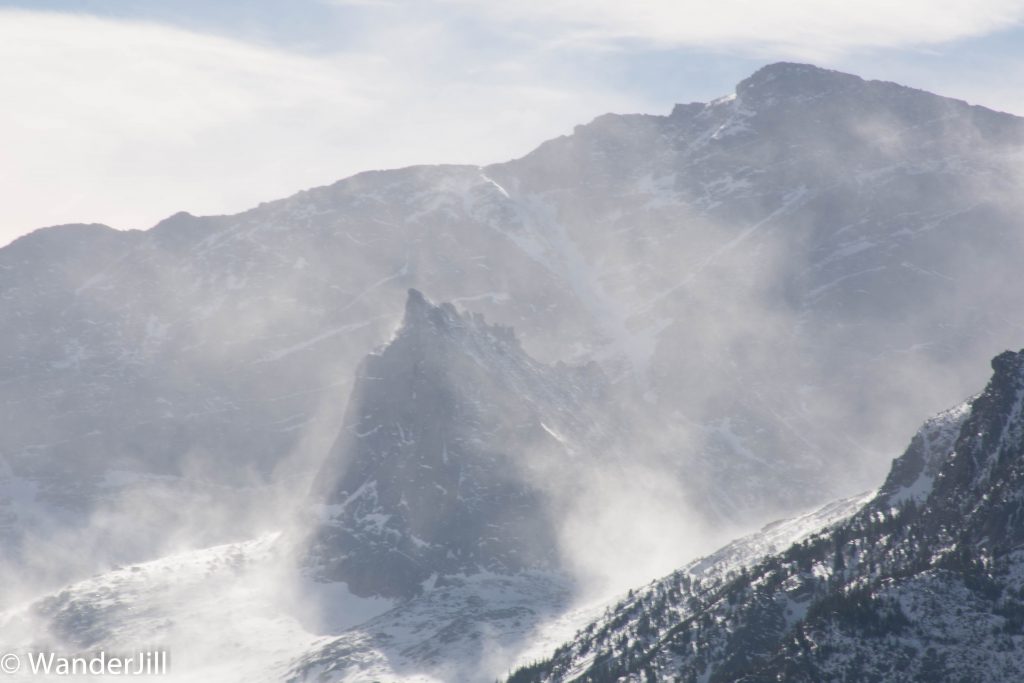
{"type": "Point", "coordinates": [925, 582]}
{"type": "Point", "coordinates": [978, 499]}
{"type": "Point", "coordinates": [438, 467]}
{"type": "Point", "coordinates": [913, 474]}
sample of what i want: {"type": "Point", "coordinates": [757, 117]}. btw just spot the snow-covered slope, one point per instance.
{"type": "Point", "coordinates": [923, 582]}
{"type": "Point", "coordinates": [242, 611]}
{"type": "Point", "coordinates": [478, 628]}
{"type": "Point", "coordinates": [648, 610]}
{"type": "Point", "coordinates": [223, 613]}
{"type": "Point", "coordinates": [471, 629]}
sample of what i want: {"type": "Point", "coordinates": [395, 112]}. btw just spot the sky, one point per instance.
{"type": "Point", "coordinates": [124, 112]}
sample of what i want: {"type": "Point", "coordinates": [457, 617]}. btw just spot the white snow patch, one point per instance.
{"type": "Point", "coordinates": [491, 181]}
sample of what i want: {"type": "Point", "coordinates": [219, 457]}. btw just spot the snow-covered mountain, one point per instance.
{"type": "Point", "coordinates": [723, 315]}
{"type": "Point", "coordinates": [731, 266]}
{"type": "Point", "coordinates": [923, 582]}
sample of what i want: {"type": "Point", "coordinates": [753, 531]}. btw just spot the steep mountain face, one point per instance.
{"type": "Point", "coordinates": [924, 582]}
{"type": "Point", "coordinates": [771, 245]}
{"type": "Point", "coordinates": [451, 440]}
{"type": "Point", "coordinates": [730, 266]}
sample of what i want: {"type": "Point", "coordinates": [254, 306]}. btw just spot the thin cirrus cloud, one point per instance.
{"type": "Point", "coordinates": [812, 29]}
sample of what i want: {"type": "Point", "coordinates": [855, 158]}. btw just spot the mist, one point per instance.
{"type": "Point", "coordinates": [723, 316]}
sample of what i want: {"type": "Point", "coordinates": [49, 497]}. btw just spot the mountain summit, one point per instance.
{"type": "Point", "coordinates": [793, 82]}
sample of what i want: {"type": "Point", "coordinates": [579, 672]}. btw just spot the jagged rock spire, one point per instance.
{"type": "Point", "coordinates": [431, 475]}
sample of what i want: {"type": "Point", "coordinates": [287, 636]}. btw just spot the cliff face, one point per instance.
{"type": "Point", "coordinates": [440, 463]}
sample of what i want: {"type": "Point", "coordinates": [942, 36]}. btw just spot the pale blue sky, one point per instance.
{"type": "Point", "coordinates": [124, 111]}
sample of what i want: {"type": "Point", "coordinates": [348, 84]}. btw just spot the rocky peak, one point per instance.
{"type": "Point", "coordinates": [785, 84]}
{"type": "Point", "coordinates": [978, 496]}
{"type": "Point", "coordinates": [443, 320]}
{"type": "Point", "coordinates": [913, 474]}
{"type": "Point", "coordinates": [434, 472]}
{"type": "Point", "coordinates": [965, 467]}
{"type": "Point", "coordinates": [996, 418]}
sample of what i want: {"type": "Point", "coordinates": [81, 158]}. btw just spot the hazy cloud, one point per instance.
{"type": "Point", "coordinates": [802, 28]}
{"type": "Point", "coordinates": [127, 122]}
